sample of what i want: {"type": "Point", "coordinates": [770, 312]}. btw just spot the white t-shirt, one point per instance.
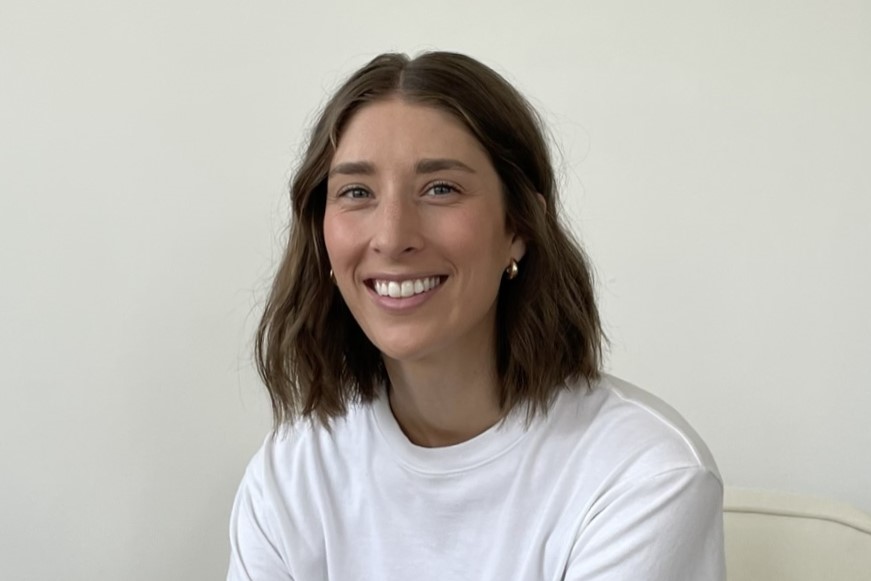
{"type": "Point", "coordinates": [611, 485]}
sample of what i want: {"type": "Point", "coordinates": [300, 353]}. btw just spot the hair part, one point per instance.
{"type": "Point", "coordinates": [310, 352]}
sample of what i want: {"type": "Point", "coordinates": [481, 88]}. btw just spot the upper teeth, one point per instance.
{"type": "Point", "coordinates": [405, 288]}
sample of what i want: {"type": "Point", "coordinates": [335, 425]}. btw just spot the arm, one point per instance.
{"type": "Point", "coordinates": [668, 527]}
{"type": "Point", "coordinates": [253, 556]}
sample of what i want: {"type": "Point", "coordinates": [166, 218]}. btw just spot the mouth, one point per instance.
{"type": "Point", "coordinates": [405, 288]}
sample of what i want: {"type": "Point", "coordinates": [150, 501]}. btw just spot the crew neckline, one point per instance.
{"type": "Point", "coordinates": [477, 451]}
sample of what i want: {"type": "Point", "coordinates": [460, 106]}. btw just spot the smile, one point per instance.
{"type": "Point", "coordinates": [397, 289]}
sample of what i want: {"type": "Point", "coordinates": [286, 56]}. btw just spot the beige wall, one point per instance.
{"type": "Point", "coordinates": [714, 162]}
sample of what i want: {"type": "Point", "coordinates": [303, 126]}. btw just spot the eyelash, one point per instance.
{"type": "Point", "coordinates": [450, 187]}
{"type": "Point", "coordinates": [346, 193]}
{"type": "Point", "coordinates": [349, 191]}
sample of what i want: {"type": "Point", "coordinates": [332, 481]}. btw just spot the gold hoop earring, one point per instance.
{"type": "Point", "coordinates": [512, 270]}
{"type": "Point", "coordinates": [332, 276]}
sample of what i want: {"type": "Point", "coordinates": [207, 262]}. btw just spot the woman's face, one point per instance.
{"type": "Point", "coordinates": [415, 231]}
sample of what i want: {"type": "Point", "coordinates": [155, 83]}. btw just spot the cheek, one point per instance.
{"type": "Point", "coordinates": [337, 237]}
{"type": "Point", "coordinates": [482, 236]}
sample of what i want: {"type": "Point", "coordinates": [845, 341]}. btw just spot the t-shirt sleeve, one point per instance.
{"type": "Point", "coordinates": [668, 527]}
{"type": "Point", "coordinates": [253, 553]}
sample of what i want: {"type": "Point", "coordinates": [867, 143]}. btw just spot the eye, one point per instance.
{"type": "Point", "coordinates": [354, 192]}
{"type": "Point", "coordinates": [440, 189]}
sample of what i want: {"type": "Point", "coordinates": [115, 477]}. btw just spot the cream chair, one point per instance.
{"type": "Point", "coordinates": [783, 537]}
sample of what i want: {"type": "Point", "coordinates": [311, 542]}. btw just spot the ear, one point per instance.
{"type": "Point", "coordinates": [518, 248]}
{"type": "Point", "coordinates": [518, 244]}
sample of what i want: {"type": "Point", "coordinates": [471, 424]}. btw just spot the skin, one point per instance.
{"type": "Point", "coordinates": [413, 194]}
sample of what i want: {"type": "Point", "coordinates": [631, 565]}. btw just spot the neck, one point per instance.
{"type": "Point", "coordinates": [445, 402]}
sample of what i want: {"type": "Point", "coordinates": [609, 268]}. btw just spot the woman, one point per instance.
{"type": "Point", "coordinates": [432, 349]}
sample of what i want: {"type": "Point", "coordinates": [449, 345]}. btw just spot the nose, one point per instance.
{"type": "Point", "coordinates": [397, 227]}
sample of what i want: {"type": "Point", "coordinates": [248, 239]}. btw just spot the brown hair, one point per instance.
{"type": "Point", "coordinates": [311, 353]}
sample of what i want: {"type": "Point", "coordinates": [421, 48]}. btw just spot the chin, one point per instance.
{"type": "Point", "coordinates": [404, 351]}
{"type": "Point", "coordinates": [403, 354]}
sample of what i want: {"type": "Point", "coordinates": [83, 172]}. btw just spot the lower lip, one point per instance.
{"type": "Point", "coordinates": [403, 304]}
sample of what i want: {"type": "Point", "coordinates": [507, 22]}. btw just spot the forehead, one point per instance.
{"type": "Point", "coordinates": [395, 129]}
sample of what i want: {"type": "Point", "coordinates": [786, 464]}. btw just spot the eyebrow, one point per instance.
{"type": "Point", "coordinates": [424, 166]}
{"type": "Point", "coordinates": [434, 165]}
{"type": "Point", "coordinates": [353, 168]}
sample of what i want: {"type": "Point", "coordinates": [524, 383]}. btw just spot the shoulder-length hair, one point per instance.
{"type": "Point", "coordinates": [312, 354]}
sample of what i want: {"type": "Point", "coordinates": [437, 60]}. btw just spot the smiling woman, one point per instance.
{"type": "Point", "coordinates": [428, 208]}
{"type": "Point", "coordinates": [432, 349]}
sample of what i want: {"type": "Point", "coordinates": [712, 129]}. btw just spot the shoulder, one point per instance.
{"type": "Point", "coordinates": [650, 493]}
{"type": "Point", "coordinates": [653, 415]}
{"type": "Point", "coordinates": [292, 455]}
{"type": "Point", "coordinates": [652, 502]}
{"type": "Point", "coordinates": [630, 432]}
{"type": "Point", "coordinates": [276, 525]}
